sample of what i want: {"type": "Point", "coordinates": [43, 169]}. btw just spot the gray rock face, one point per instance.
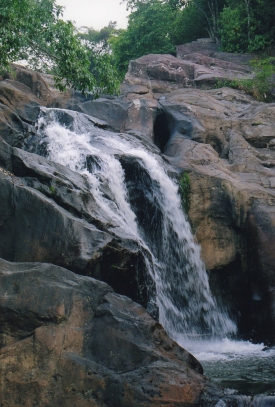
{"type": "Point", "coordinates": [70, 340]}
{"type": "Point", "coordinates": [225, 141]}
{"type": "Point", "coordinates": [49, 215]}
{"type": "Point", "coordinates": [133, 113]}
{"type": "Point", "coordinates": [165, 73]}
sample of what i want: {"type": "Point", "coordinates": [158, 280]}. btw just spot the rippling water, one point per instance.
{"type": "Point", "coordinates": [238, 365]}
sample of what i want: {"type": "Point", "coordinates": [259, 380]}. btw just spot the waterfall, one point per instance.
{"type": "Point", "coordinates": [185, 303]}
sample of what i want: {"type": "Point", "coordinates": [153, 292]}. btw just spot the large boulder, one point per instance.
{"type": "Point", "coordinates": [67, 340]}
{"type": "Point", "coordinates": [165, 73]}
{"type": "Point", "coordinates": [30, 82]}
{"type": "Point", "coordinates": [133, 113]}
{"type": "Point", "coordinates": [207, 47]}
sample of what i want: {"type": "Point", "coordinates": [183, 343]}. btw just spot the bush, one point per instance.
{"type": "Point", "coordinates": [261, 87]}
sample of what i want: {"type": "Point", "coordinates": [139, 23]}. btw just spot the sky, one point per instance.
{"type": "Point", "coordinates": [95, 13]}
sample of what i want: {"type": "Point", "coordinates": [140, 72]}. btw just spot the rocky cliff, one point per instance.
{"type": "Point", "coordinates": [224, 140]}
{"type": "Point", "coordinates": [71, 340]}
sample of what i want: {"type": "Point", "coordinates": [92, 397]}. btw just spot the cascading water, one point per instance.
{"type": "Point", "coordinates": [147, 206]}
{"type": "Point", "coordinates": [186, 306]}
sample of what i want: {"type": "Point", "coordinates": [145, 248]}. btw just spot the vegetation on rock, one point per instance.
{"type": "Point", "coordinates": [184, 187]}
{"type": "Point", "coordinates": [261, 87]}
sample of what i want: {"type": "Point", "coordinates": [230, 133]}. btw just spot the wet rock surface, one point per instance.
{"type": "Point", "coordinates": [49, 215]}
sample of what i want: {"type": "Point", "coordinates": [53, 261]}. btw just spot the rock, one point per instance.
{"type": "Point", "coordinates": [32, 82]}
{"type": "Point", "coordinates": [223, 139]}
{"type": "Point", "coordinates": [22, 93]}
{"type": "Point", "coordinates": [133, 114]}
{"type": "Point", "coordinates": [112, 111]}
{"type": "Point", "coordinates": [165, 73]}
{"type": "Point", "coordinates": [49, 215]}
{"type": "Point", "coordinates": [20, 100]}
{"type": "Point", "coordinates": [211, 49]}
{"type": "Point", "coordinates": [70, 340]}
{"type": "Point", "coordinates": [12, 128]}
{"type": "Point", "coordinates": [217, 62]}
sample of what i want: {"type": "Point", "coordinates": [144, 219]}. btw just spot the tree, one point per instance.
{"type": "Point", "coordinates": [101, 57]}
{"type": "Point", "coordinates": [149, 31]}
{"type": "Point", "coordinates": [209, 10]}
{"type": "Point", "coordinates": [98, 40]}
{"type": "Point", "coordinates": [34, 31]}
{"type": "Point", "coordinates": [189, 24]}
{"type": "Point", "coordinates": [247, 25]}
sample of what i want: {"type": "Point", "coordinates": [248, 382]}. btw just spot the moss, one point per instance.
{"type": "Point", "coordinates": [52, 190]}
{"type": "Point", "coordinates": [184, 188]}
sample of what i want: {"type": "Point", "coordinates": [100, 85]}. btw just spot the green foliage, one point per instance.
{"type": "Point", "coordinates": [52, 190]}
{"type": "Point", "coordinates": [102, 64]}
{"type": "Point", "coordinates": [34, 31]}
{"type": "Point", "coordinates": [98, 39]}
{"type": "Point", "coordinates": [188, 25]}
{"type": "Point", "coordinates": [260, 87]}
{"type": "Point", "coordinates": [184, 188]}
{"type": "Point", "coordinates": [247, 25]}
{"type": "Point", "coordinates": [233, 35]}
{"type": "Point", "coordinates": [148, 32]}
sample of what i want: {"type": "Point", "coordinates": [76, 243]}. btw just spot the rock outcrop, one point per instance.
{"type": "Point", "coordinates": [49, 215]}
{"type": "Point", "coordinates": [67, 340]}
{"type": "Point", "coordinates": [224, 140]}
{"type": "Point", "coordinates": [165, 73]}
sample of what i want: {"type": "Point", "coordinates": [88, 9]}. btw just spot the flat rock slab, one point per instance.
{"type": "Point", "coordinates": [166, 73]}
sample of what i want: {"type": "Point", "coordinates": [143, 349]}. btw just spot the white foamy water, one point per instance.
{"type": "Point", "coordinates": [184, 299]}
{"type": "Point", "coordinates": [71, 149]}
{"type": "Point", "coordinates": [222, 349]}
{"type": "Point", "coordinates": [241, 367]}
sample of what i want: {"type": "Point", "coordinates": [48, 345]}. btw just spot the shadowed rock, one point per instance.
{"type": "Point", "coordinates": [70, 340]}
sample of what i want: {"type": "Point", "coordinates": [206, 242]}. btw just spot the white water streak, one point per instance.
{"type": "Point", "coordinates": [184, 298]}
